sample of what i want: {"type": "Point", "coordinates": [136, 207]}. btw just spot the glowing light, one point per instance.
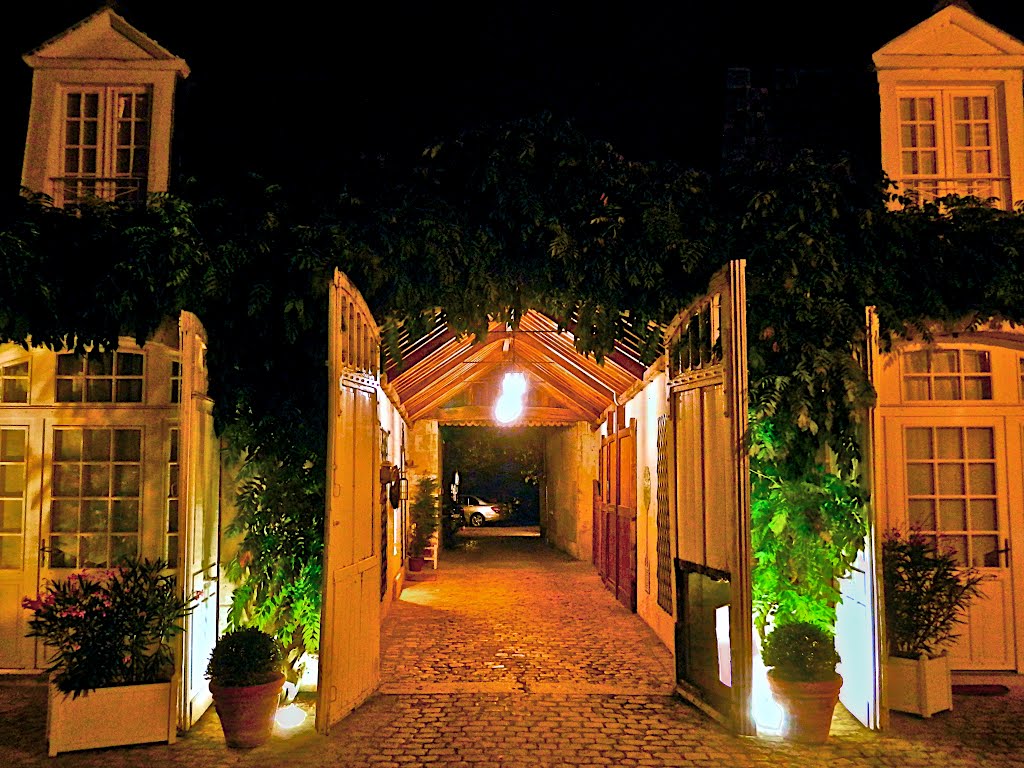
{"type": "Point", "coordinates": [508, 408]}
{"type": "Point", "coordinates": [509, 405]}
{"type": "Point", "coordinates": [767, 713]}
{"type": "Point", "coordinates": [514, 384]}
{"type": "Point", "coordinates": [289, 717]}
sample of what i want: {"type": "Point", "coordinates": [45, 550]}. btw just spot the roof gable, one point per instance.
{"type": "Point", "coordinates": [952, 32]}
{"type": "Point", "coordinates": [103, 36]}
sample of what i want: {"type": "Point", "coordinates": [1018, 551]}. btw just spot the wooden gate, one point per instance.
{"type": "Point", "coordinates": [615, 511]}
{"type": "Point", "coordinates": [350, 619]}
{"type": "Point", "coordinates": [198, 492]}
{"type": "Point", "coordinates": [707, 389]}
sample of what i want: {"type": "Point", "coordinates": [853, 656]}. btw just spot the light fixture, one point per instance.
{"type": "Point", "coordinates": [291, 716]}
{"type": "Point", "coordinates": [509, 405]}
{"type": "Point", "coordinates": [403, 488]}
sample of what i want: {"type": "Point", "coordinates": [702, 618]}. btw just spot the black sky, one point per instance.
{"type": "Point", "coordinates": [296, 88]}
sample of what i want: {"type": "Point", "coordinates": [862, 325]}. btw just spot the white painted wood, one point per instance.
{"type": "Point", "coordinates": [350, 620]}
{"type": "Point", "coordinates": [198, 513]}
{"type": "Point", "coordinates": [919, 686]}
{"type": "Point", "coordinates": [111, 717]}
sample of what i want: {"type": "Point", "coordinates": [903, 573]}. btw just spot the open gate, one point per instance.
{"type": "Point", "coordinates": [350, 618]}
{"type": "Point", "coordinates": [195, 456]}
{"type": "Point", "coordinates": [707, 389]}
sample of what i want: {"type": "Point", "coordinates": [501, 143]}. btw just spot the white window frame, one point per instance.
{"type": "Point", "coordinates": [105, 182]}
{"type": "Point", "coordinates": [945, 181]}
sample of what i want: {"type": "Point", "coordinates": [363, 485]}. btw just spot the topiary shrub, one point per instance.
{"type": "Point", "coordinates": [800, 652]}
{"type": "Point", "coordinates": [247, 656]}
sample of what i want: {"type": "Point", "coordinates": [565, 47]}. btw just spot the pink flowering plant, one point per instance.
{"type": "Point", "coordinates": [109, 627]}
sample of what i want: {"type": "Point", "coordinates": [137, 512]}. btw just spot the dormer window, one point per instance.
{"type": "Point", "coordinates": [948, 145]}
{"type": "Point", "coordinates": [105, 145]}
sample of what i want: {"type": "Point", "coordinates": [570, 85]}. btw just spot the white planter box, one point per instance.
{"type": "Point", "coordinates": [920, 686]}
{"type": "Point", "coordinates": [111, 717]}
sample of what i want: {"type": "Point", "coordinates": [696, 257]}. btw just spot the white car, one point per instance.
{"type": "Point", "coordinates": [476, 511]}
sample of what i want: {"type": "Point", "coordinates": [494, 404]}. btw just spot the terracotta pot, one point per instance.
{"type": "Point", "coordinates": [416, 563]}
{"type": "Point", "coordinates": [808, 707]}
{"type": "Point", "coordinates": [247, 712]}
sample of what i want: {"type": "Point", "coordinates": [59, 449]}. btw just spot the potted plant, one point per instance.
{"type": "Point", "coordinates": [803, 678]}
{"type": "Point", "coordinates": [423, 519]}
{"type": "Point", "coordinates": [246, 681]}
{"type": "Point", "coordinates": [108, 637]}
{"type": "Point", "coordinates": [926, 593]}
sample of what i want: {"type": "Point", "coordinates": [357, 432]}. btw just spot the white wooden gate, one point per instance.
{"type": "Point", "coordinates": [198, 461]}
{"type": "Point", "coordinates": [350, 619]}
{"type": "Point", "coordinates": [707, 389]}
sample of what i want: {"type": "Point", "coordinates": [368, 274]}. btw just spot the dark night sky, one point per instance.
{"type": "Point", "coordinates": [297, 88]}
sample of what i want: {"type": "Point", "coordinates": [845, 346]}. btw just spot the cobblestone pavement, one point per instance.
{"type": "Point", "coordinates": [511, 656]}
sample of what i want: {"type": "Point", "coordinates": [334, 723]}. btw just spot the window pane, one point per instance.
{"type": "Point", "coordinates": [12, 479]}
{"type": "Point", "coordinates": [11, 515]}
{"type": "Point", "coordinates": [945, 361]}
{"type": "Point", "coordinates": [925, 109]}
{"type": "Point", "coordinates": [94, 515]}
{"type": "Point", "coordinates": [129, 364]}
{"type": "Point", "coordinates": [919, 443]}
{"type": "Point", "coordinates": [122, 547]}
{"type": "Point", "coordinates": [67, 444]}
{"type": "Point", "coordinates": [978, 388]}
{"type": "Point", "coordinates": [947, 388]}
{"type": "Point", "coordinates": [96, 444]}
{"type": "Point", "coordinates": [951, 479]}
{"type": "Point", "coordinates": [92, 104]}
{"type": "Point", "coordinates": [984, 552]}
{"type": "Point", "coordinates": [907, 111]}
{"type": "Point", "coordinates": [12, 445]}
{"type": "Point", "coordinates": [919, 480]}
{"type": "Point", "coordinates": [69, 391]}
{"type": "Point", "coordinates": [979, 107]}
{"type": "Point", "coordinates": [129, 391]}
{"type": "Point", "coordinates": [64, 515]}
{"type": "Point", "coordinates": [948, 441]}
{"type": "Point", "coordinates": [962, 135]}
{"type": "Point", "coordinates": [922, 514]}
{"type": "Point", "coordinates": [98, 391]}
{"type": "Point", "coordinates": [983, 514]}
{"type": "Point", "coordinates": [96, 480]}
{"type": "Point", "coordinates": [63, 551]}
{"type": "Point", "coordinates": [15, 391]}
{"type": "Point", "coordinates": [100, 364]}
{"type": "Point", "coordinates": [68, 365]}
{"type": "Point", "coordinates": [916, 388]}
{"type": "Point", "coordinates": [172, 516]}
{"type": "Point", "coordinates": [980, 443]}
{"type": "Point", "coordinates": [929, 163]}
{"type": "Point", "coordinates": [957, 545]}
{"type": "Point", "coordinates": [983, 479]}
{"type": "Point", "coordinates": [94, 551]}
{"type": "Point", "coordinates": [67, 480]}
{"type": "Point", "coordinates": [10, 552]}
{"type": "Point", "coordinates": [961, 108]}
{"type": "Point", "coordinates": [74, 104]}
{"type": "Point", "coordinates": [915, 362]}
{"type": "Point", "coordinates": [89, 132]}
{"type": "Point", "coordinates": [125, 515]}
{"type": "Point", "coordinates": [952, 515]}
{"type": "Point", "coordinates": [126, 480]}
{"type": "Point", "coordinates": [127, 444]}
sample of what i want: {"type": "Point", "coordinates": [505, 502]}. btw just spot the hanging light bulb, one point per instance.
{"type": "Point", "coordinates": [508, 408]}
{"type": "Point", "coordinates": [514, 383]}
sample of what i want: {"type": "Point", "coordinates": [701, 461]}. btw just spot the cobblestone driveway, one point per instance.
{"type": "Point", "coordinates": [515, 656]}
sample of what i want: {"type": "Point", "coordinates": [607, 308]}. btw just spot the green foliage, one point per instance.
{"type": "Point", "coordinates": [109, 627]}
{"type": "Point", "coordinates": [801, 652]}
{"type": "Point", "coordinates": [423, 514]}
{"type": "Point", "coordinates": [926, 594]}
{"type": "Point", "coordinates": [243, 657]}
{"type": "Point", "coordinates": [807, 527]}
{"type": "Point", "coordinates": [278, 565]}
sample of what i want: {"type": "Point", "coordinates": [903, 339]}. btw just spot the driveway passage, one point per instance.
{"type": "Point", "coordinates": [513, 656]}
